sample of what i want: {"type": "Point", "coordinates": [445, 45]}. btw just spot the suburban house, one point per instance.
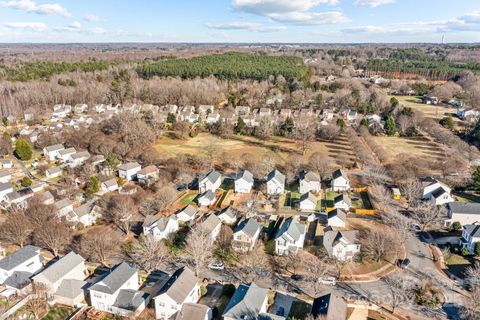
{"type": "Point", "coordinates": [463, 212]}
{"type": "Point", "coordinates": [52, 152]}
{"type": "Point", "coordinates": [54, 172]}
{"type": "Point", "coordinates": [342, 245]}
{"type": "Point", "coordinates": [77, 159]}
{"type": "Point", "coordinates": [329, 306]}
{"type": "Point", "coordinates": [88, 213]}
{"type": "Point", "coordinates": [160, 227]}
{"type": "Point", "coordinates": [244, 182]}
{"type": "Point", "coordinates": [5, 176]}
{"type": "Point", "coordinates": [248, 302]}
{"type": "Point", "coordinates": [242, 110]}
{"type": "Point", "coordinates": [63, 206]}
{"type": "Point", "coordinates": [337, 218]}
{"type": "Point", "coordinates": [147, 175]}
{"type": "Point", "coordinates": [340, 181]}
{"type": "Point", "coordinates": [308, 202]}
{"type": "Point", "coordinates": [309, 182]}
{"type": "Point", "coordinates": [245, 235]}
{"type": "Point", "coordinates": [213, 117]}
{"type": "Point", "coordinates": [194, 311]}
{"type": "Point", "coordinates": [275, 183]}
{"type": "Point", "coordinates": [64, 154]}
{"type": "Point", "coordinates": [227, 216]}
{"type": "Point", "coordinates": [5, 188]}
{"type": "Point", "coordinates": [343, 202]}
{"type": "Point", "coordinates": [207, 199]}
{"type": "Point", "coordinates": [212, 225]}
{"type": "Point", "coordinates": [7, 164]}
{"type": "Point", "coordinates": [470, 237]}
{"type": "Point", "coordinates": [289, 237]}
{"type": "Point", "coordinates": [110, 185]}
{"type": "Point", "coordinates": [435, 191]}
{"type": "Point", "coordinates": [181, 288]}
{"type": "Point", "coordinates": [128, 171]}
{"type": "Point", "coordinates": [210, 182]}
{"type": "Point", "coordinates": [23, 263]}
{"type": "Point", "coordinates": [56, 278]}
{"type": "Point", "coordinates": [187, 214]}
{"type": "Point", "coordinates": [117, 292]}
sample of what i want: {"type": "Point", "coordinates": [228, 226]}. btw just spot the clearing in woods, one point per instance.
{"type": "Point", "coordinates": [412, 146]}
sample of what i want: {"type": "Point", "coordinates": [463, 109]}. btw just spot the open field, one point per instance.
{"type": "Point", "coordinates": [412, 146]}
{"type": "Point", "coordinates": [237, 146]}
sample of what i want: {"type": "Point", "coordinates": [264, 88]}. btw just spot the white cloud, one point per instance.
{"type": "Point", "coordinates": [98, 30]}
{"type": "Point", "coordinates": [292, 11]}
{"type": "Point", "coordinates": [250, 26]}
{"type": "Point", "coordinates": [35, 26]}
{"type": "Point", "coordinates": [92, 18]}
{"type": "Point", "coordinates": [372, 3]}
{"type": "Point", "coordinates": [74, 26]}
{"type": "Point", "coordinates": [32, 6]}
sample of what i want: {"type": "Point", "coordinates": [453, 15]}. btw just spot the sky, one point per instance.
{"type": "Point", "coordinates": [246, 21]}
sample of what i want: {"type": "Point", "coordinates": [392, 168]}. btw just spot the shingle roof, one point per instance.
{"type": "Point", "coordinates": [60, 204]}
{"type": "Point", "coordinates": [18, 280]}
{"type": "Point", "coordinates": [308, 196]}
{"type": "Point", "coordinates": [110, 183]}
{"type": "Point", "coordinates": [250, 227]}
{"type": "Point", "coordinates": [71, 288]}
{"type": "Point", "coordinates": [277, 175]}
{"type": "Point", "coordinates": [292, 228]}
{"type": "Point", "coordinates": [129, 299]}
{"type": "Point", "coordinates": [331, 306]}
{"type": "Point", "coordinates": [464, 207]}
{"type": "Point", "coordinates": [6, 186]}
{"type": "Point", "coordinates": [54, 147]}
{"type": "Point", "coordinates": [473, 230]}
{"type": "Point", "coordinates": [209, 195]}
{"type": "Point", "coordinates": [63, 266]}
{"type": "Point", "coordinates": [115, 278]}
{"type": "Point", "coordinates": [339, 173]}
{"type": "Point", "coordinates": [19, 257]}
{"type": "Point", "coordinates": [212, 176]}
{"type": "Point", "coordinates": [245, 175]}
{"type": "Point", "coordinates": [337, 213]}
{"type": "Point", "coordinates": [67, 151]}
{"type": "Point", "coordinates": [189, 210]}
{"type": "Point", "coordinates": [342, 197]}
{"type": "Point", "coordinates": [228, 212]}
{"type": "Point", "coordinates": [160, 222]}
{"type": "Point", "coordinates": [310, 176]}
{"type": "Point", "coordinates": [192, 311]}
{"type": "Point", "coordinates": [211, 222]}
{"type": "Point", "coordinates": [148, 170]}
{"type": "Point", "coordinates": [129, 166]}
{"type": "Point", "coordinates": [180, 284]}
{"type": "Point", "coordinates": [246, 301]}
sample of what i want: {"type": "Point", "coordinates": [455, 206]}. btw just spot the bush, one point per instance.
{"type": "Point", "coordinates": [228, 290]}
{"type": "Point", "coordinates": [203, 291]}
{"type": "Point", "coordinates": [456, 226]}
{"type": "Point", "coordinates": [23, 150]}
{"type": "Point", "coordinates": [477, 249]}
{"type": "Point", "coordinates": [448, 123]}
{"type": "Point", "coordinates": [26, 182]}
{"type": "Point", "coordinates": [465, 252]}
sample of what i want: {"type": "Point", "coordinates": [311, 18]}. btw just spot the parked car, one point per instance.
{"type": "Point", "coordinates": [415, 227]}
{"type": "Point", "coordinates": [329, 281]}
{"type": "Point", "coordinates": [296, 277]}
{"type": "Point", "coordinates": [216, 266]}
{"type": "Point", "coordinates": [403, 263]}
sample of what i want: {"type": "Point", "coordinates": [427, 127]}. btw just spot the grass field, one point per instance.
{"type": "Point", "coordinates": [59, 313]}
{"type": "Point", "coordinates": [413, 146]}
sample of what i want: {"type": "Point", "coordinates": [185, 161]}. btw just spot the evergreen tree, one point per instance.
{"type": "Point", "coordinates": [364, 122]}
{"type": "Point", "coordinates": [341, 123]}
{"type": "Point", "coordinates": [476, 177]}
{"type": "Point", "coordinates": [240, 126]}
{"type": "Point", "coordinates": [390, 127]}
{"type": "Point", "coordinates": [170, 118]}
{"type": "Point", "coordinates": [93, 185]}
{"type": "Point", "coordinates": [23, 150]}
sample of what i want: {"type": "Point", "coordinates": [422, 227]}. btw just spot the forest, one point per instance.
{"type": "Point", "coordinates": [228, 66]}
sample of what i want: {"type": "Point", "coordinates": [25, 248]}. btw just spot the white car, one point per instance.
{"type": "Point", "coordinates": [216, 266]}
{"type": "Point", "coordinates": [329, 281]}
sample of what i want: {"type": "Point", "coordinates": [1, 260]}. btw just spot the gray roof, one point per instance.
{"type": "Point", "coordinates": [63, 266]}
{"type": "Point", "coordinates": [71, 288]}
{"type": "Point", "coordinates": [19, 257]}
{"type": "Point", "coordinates": [5, 173]}
{"type": "Point", "coordinates": [179, 285]}
{"type": "Point", "coordinates": [192, 311]}
{"type": "Point", "coordinates": [55, 147]}
{"type": "Point", "coordinates": [54, 170]}
{"type": "Point", "coordinates": [160, 222]}
{"type": "Point", "coordinates": [292, 228]}
{"type": "Point", "coordinates": [245, 175]}
{"type": "Point", "coordinates": [5, 186]}
{"type": "Point", "coordinates": [473, 230]}
{"type": "Point", "coordinates": [337, 213]}
{"type": "Point", "coordinates": [110, 183]}
{"type": "Point", "coordinates": [114, 279]}
{"type": "Point", "coordinates": [308, 196]}
{"type": "Point", "coordinates": [332, 237]}
{"type": "Point", "coordinates": [45, 196]}
{"type": "Point", "coordinates": [129, 299]}
{"type": "Point", "coordinates": [339, 173]}
{"type": "Point", "coordinates": [277, 175]}
{"type": "Point", "coordinates": [246, 302]}
{"type": "Point", "coordinates": [331, 306]}
{"type": "Point", "coordinates": [60, 204]}
{"type": "Point", "coordinates": [212, 176]}
{"type": "Point", "coordinates": [189, 210]}
{"type": "Point", "coordinates": [85, 209]}
{"type": "Point", "coordinates": [209, 195]}
{"type": "Point", "coordinates": [211, 222]}
{"type": "Point", "coordinates": [228, 212]}
{"type": "Point", "coordinates": [342, 197]}
{"type": "Point", "coordinates": [464, 207]}
{"type": "Point", "coordinates": [129, 166]}
{"type": "Point", "coordinates": [18, 280]}
{"type": "Point", "coordinates": [310, 176]}
{"type": "Point", "coordinates": [67, 151]}
{"type": "Point", "coordinates": [250, 227]}
{"type": "Point", "coordinates": [81, 155]}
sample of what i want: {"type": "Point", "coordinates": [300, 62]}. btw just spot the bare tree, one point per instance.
{"type": "Point", "coordinates": [316, 269]}
{"type": "Point", "coordinates": [101, 247]}
{"type": "Point", "coordinates": [200, 246]}
{"type": "Point", "coordinates": [121, 211]}
{"type": "Point", "coordinates": [147, 253]}
{"type": "Point", "coordinates": [427, 214]}
{"type": "Point", "coordinates": [211, 150]}
{"type": "Point", "coordinates": [377, 244]}
{"type": "Point", "coordinates": [377, 174]}
{"type": "Point", "coordinates": [304, 133]}
{"type": "Point", "coordinates": [55, 235]}
{"type": "Point", "coordinates": [37, 303]}
{"type": "Point", "coordinates": [16, 229]}
{"type": "Point", "coordinates": [223, 247]}
{"type": "Point", "coordinates": [255, 263]}
{"type": "Point", "coordinates": [400, 291]}
{"type": "Point", "coordinates": [320, 164]}
{"type": "Point", "coordinates": [412, 191]}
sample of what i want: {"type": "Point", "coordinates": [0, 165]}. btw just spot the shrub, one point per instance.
{"type": "Point", "coordinates": [228, 290]}
{"type": "Point", "coordinates": [23, 150]}
{"type": "Point", "coordinates": [203, 291]}
{"type": "Point", "coordinates": [26, 182]}
{"type": "Point", "coordinates": [477, 249]}
{"type": "Point", "coordinates": [465, 252]}
{"type": "Point", "coordinates": [456, 226]}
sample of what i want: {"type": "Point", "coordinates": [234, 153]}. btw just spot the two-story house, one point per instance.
{"type": "Point", "coordinates": [275, 183]}
{"type": "Point", "coordinates": [128, 171]}
{"type": "Point", "coordinates": [289, 237]}
{"type": "Point", "coordinates": [342, 201]}
{"type": "Point", "coordinates": [160, 227]}
{"type": "Point", "coordinates": [342, 245]}
{"type": "Point", "coordinates": [117, 292]}
{"type": "Point", "coordinates": [187, 214]}
{"type": "Point", "coordinates": [248, 302]}
{"type": "Point", "coordinates": [212, 225]}
{"type": "Point", "coordinates": [435, 191]}
{"type": "Point", "coordinates": [244, 182]}
{"type": "Point", "coordinates": [308, 202]}
{"type": "Point", "coordinates": [17, 268]}
{"type": "Point", "coordinates": [309, 182]}
{"type": "Point", "coordinates": [210, 182]}
{"type": "Point", "coordinates": [246, 235]}
{"type": "Point", "coordinates": [470, 237]}
{"type": "Point", "coordinates": [181, 288]}
{"type": "Point", "coordinates": [463, 212]}
{"type": "Point", "coordinates": [337, 218]}
{"type": "Point", "coordinates": [194, 311]}
{"type": "Point", "coordinates": [147, 175]}
{"type": "Point", "coordinates": [227, 216]}
{"type": "Point", "coordinates": [340, 181]}
{"type": "Point", "coordinates": [51, 153]}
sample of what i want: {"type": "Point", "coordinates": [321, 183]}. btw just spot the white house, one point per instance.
{"type": "Point", "coordinates": [343, 202]}
{"type": "Point", "coordinates": [337, 218]}
{"type": "Point", "coordinates": [52, 152]}
{"type": "Point", "coordinates": [53, 172]}
{"type": "Point", "coordinates": [308, 202]}
{"type": "Point", "coordinates": [5, 188]}
{"type": "Point", "coordinates": [244, 182]}
{"type": "Point", "coordinates": [65, 154]}
{"type": "Point", "coordinates": [128, 171]}
{"type": "Point", "coordinates": [340, 181]}
{"type": "Point", "coordinates": [227, 216]}
{"type": "Point", "coordinates": [194, 311]}
{"type": "Point", "coordinates": [275, 183]}
{"type": "Point", "coordinates": [187, 214]}
{"type": "Point", "coordinates": [5, 176]}
{"type": "Point", "coordinates": [25, 261]}
{"type": "Point", "coordinates": [470, 237]}
{"type": "Point", "coordinates": [88, 213]}
{"type": "Point", "coordinates": [63, 206]}
{"type": "Point", "coordinates": [246, 235]}
{"type": "Point", "coordinates": [463, 212]}
{"type": "Point", "coordinates": [160, 227]}
{"type": "Point", "coordinates": [69, 267]}
{"type": "Point", "coordinates": [435, 191]}
{"type": "Point", "coordinates": [207, 199]}
{"type": "Point", "coordinates": [77, 159]}
{"type": "Point", "coordinates": [309, 182]}
{"type": "Point", "coordinates": [7, 164]}
{"type": "Point", "coordinates": [213, 117]}
{"type": "Point", "coordinates": [147, 175]}
{"type": "Point", "coordinates": [181, 288]}
{"type": "Point", "coordinates": [342, 245]}
{"type": "Point", "coordinates": [117, 292]}
{"type": "Point", "coordinates": [289, 237]}
{"type": "Point", "coordinates": [210, 182]}
{"type": "Point", "coordinates": [212, 225]}
{"type": "Point", "coordinates": [109, 185]}
{"type": "Point", "coordinates": [248, 302]}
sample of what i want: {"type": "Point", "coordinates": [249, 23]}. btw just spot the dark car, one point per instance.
{"type": "Point", "coordinates": [296, 277]}
{"type": "Point", "coordinates": [403, 263]}
{"type": "Point", "coordinates": [181, 187]}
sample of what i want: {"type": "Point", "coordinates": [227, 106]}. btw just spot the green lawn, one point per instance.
{"type": "Point", "coordinates": [189, 199]}
{"type": "Point", "coordinates": [299, 310]}
{"type": "Point", "coordinates": [327, 201]}
{"type": "Point", "coordinates": [292, 199]}
{"type": "Point", "coordinates": [457, 264]}
{"type": "Point", "coordinates": [59, 313]}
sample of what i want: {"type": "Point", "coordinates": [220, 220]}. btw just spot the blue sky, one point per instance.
{"type": "Point", "coordinates": [319, 21]}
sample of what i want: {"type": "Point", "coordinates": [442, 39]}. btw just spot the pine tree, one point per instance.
{"type": "Point", "coordinates": [23, 150]}
{"type": "Point", "coordinates": [390, 127]}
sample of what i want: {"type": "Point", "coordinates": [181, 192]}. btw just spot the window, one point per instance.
{"type": "Point", "coordinates": [97, 295]}
{"type": "Point", "coordinates": [173, 306]}
{"type": "Point", "coordinates": [161, 304]}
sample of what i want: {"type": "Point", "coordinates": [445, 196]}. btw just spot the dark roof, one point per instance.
{"type": "Point", "coordinates": [129, 299]}
{"type": "Point", "coordinates": [114, 279]}
{"type": "Point", "coordinates": [342, 197]}
{"type": "Point", "coordinates": [19, 257]}
{"type": "Point", "coordinates": [331, 306]}
{"type": "Point", "coordinates": [246, 301]}
{"type": "Point", "coordinates": [339, 173]}
{"type": "Point", "coordinates": [473, 230]}
{"type": "Point", "coordinates": [180, 284]}
{"type": "Point", "coordinates": [438, 192]}
{"type": "Point", "coordinates": [18, 280]}
{"type": "Point", "coordinates": [250, 227]}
